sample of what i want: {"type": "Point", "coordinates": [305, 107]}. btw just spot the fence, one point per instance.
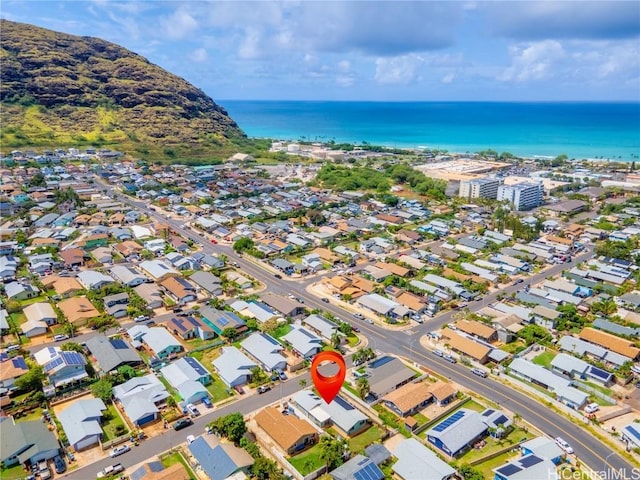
{"type": "Point", "coordinates": [115, 441]}
{"type": "Point", "coordinates": [495, 454]}
{"type": "Point", "coordinates": [596, 393]}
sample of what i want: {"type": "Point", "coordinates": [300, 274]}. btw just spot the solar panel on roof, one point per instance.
{"type": "Point", "coordinates": [139, 474]}
{"type": "Point", "coordinates": [597, 372]}
{"type": "Point", "coordinates": [72, 358]}
{"type": "Point", "coordinates": [3, 357]}
{"type": "Point", "coordinates": [196, 365]}
{"type": "Point", "coordinates": [508, 470]}
{"type": "Point", "coordinates": [155, 466]}
{"type": "Point", "coordinates": [487, 412]}
{"type": "Point", "coordinates": [53, 364]}
{"type": "Point", "coordinates": [118, 344]}
{"type": "Point", "coordinates": [530, 461]}
{"type": "Point", "coordinates": [501, 420]}
{"type": "Point", "coordinates": [222, 321]}
{"type": "Point", "coordinates": [368, 472]}
{"type": "Point", "coordinates": [19, 362]}
{"type": "Point", "coordinates": [448, 422]}
{"type": "Point", "coordinates": [634, 431]}
{"type": "Point", "coordinates": [178, 322]}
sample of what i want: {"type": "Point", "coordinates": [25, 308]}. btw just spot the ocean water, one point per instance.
{"type": "Point", "coordinates": [579, 130]}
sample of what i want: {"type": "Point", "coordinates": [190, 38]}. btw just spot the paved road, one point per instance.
{"type": "Point", "coordinates": [588, 449]}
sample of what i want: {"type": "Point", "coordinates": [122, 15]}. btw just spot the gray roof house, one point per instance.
{"type": "Point", "coordinates": [116, 304]}
{"type": "Point", "coordinates": [339, 412]}
{"type": "Point", "coordinates": [284, 305]}
{"type": "Point", "coordinates": [387, 374]}
{"type": "Point", "coordinates": [26, 442]}
{"type": "Point", "coordinates": [220, 461]}
{"type": "Point", "coordinates": [414, 459]}
{"type": "Point", "coordinates": [92, 280]}
{"type": "Point", "coordinates": [161, 342]}
{"type": "Point", "coordinates": [207, 281]}
{"type": "Point", "coordinates": [304, 342]}
{"type": "Point", "coordinates": [266, 350]}
{"type": "Point", "coordinates": [81, 422]}
{"type": "Point", "coordinates": [111, 353]}
{"type": "Point", "coordinates": [233, 366]}
{"type": "Point", "coordinates": [139, 397]}
{"type": "Point", "coordinates": [321, 326]}
{"type": "Point", "coordinates": [357, 468]}
{"type": "Point", "coordinates": [128, 276]}
{"type": "Point", "coordinates": [189, 377]}
{"type": "Point", "coordinates": [20, 291]}
{"type": "Point", "coordinates": [150, 293]}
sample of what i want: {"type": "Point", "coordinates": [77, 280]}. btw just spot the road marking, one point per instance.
{"type": "Point", "coordinates": [409, 332]}
{"type": "Point", "coordinates": [524, 406]}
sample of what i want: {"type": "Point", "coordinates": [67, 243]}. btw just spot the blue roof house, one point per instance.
{"type": "Point", "coordinates": [188, 377]}
{"type": "Point", "coordinates": [66, 367]}
{"type": "Point", "coordinates": [220, 460]}
{"type": "Point", "coordinates": [81, 422]}
{"type": "Point", "coordinates": [233, 367]}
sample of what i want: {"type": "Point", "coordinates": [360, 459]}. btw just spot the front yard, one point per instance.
{"type": "Point", "coordinates": [358, 443]}
{"type": "Point", "coordinates": [307, 461]}
{"type": "Point", "coordinates": [177, 457]}
{"type": "Point", "coordinates": [112, 424]}
{"type": "Point", "coordinates": [495, 444]}
{"type": "Point", "coordinates": [217, 388]}
{"type": "Point", "coordinates": [13, 473]}
{"type": "Point", "coordinates": [487, 467]}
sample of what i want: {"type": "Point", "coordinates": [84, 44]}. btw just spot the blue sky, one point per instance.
{"type": "Point", "coordinates": [371, 50]}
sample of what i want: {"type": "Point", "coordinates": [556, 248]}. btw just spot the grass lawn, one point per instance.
{"type": "Point", "coordinates": [35, 414]}
{"type": "Point", "coordinates": [352, 340]}
{"type": "Point", "coordinates": [358, 443]}
{"type": "Point", "coordinates": [170, 389]}
{"type": "Point", "coordinates": [600, 388]}
{"type": "Point", "coordinates": [473, 405]}
{"type": "Point", "coordinates": [486, 467]}
{"type": "Point", "coordinates": [281, 331]}
{"type": "Point", "coordinates": [111, 420]}
{"type": "Point", "coordinates": [493, 445]}
{"type": "Point", "coordinates": [307, 461]}
{"type": "Point", "coordinates": [29, 301]}
{"type": "Point", "coordinates": [216, 388]}
{"type": "Point", "coordinates": [545, 359]}
{"type": "Point", "coordinates": [13, 473]}
{"type": "Point", "coordinates": [511, 347]}
{"type": "Point", "coordinates": [420, 418]}
{"type": "Point", "coordinates": [177, 457]}
{"type": "Point", "coordinates": [18, 318]}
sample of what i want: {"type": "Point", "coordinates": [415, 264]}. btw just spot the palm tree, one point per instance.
{"type": "Point", "coordinates": [363, 387]}
{"type": "Point", "coordinates": [302, 383]}
{"type": "Point", "coordinates": [335, 339]}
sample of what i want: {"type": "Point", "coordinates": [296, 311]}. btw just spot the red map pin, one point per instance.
{"type": "Point", "coordinates": [328, 387]}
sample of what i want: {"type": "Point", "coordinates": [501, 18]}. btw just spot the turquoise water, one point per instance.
{"type": "Point", "coordinates": [580, 130]}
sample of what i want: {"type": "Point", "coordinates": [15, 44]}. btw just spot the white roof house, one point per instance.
{"type": "Point", "coordinates": [341, 413]}
{"type": "Point", "coordinates": [92, 280]}
{"type": "Point", "coordinates": [128, 275]}
{"type": "Point", "coordinates": [139, 397]}
{"type": "Point", "coordinates": [414, 459]}
{"type": "Point", "coordinates": [161, 342]}
{"type": "Point", "coordinates": [233, 366]}
{"type": "Point", "coordinates": [157, 269]}
{"type": "Point", "coordinates": [266, 350]}
{"type": "Point", "coordinates": [40, 312]}
{"type": "Point", "coordinates": [81, 422]}
{"type": "Point", "coordinates": [322, 326]}
{"type": "Point", "coordinates": [189, 378]}
{"type": "Point", "coordinates": [303, 341]}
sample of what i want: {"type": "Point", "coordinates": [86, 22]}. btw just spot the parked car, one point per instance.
{"type": "Point", "coordinates": [450, 359]}
{"type": "Point", "coordinates": [358, 315]}
{"type": "Point", "coordinates": [277, 275]}
{"type": "Point", "coordinates": [190, 439]}
{"type": "Point", "coordinates": [59, 464]}
{"type": "Point", "coordinates": [591, 408]}
{"type": "Point", "coordinates": [274, 376]}
{"type": "Point", "coordinates": [438, 353]}
{"type": "Point", "coordinates": [182, 423]}
{"type": "Point", "coordinates": [562, 443]}
{"type": "Point", "coordinates": [264, 388]}
{"type": "Point", "coordinates": [207, 402]}
{"type": "Point", "coordinates": [282, 375]}
{"type": "Point", "coordinates": [117, 451]}
{"type": "Point", "coordinates": [518, 281]}
{"type": "Point", "coordinates": [177, 310]}
{"type": "Point", "coordinates": [480, 372]}
{"type": "Point", "coordinates": [44, 471]}
{"type": "Point", "coordinates": [325, 299]}
{"type": "Point", "coordinates": [141, 318]}
{"type": "Point", "coordinates": [110, 470]}
{"type": "Point", "coordinates": [239, 389]}
{"type": "Point", "coordinates": [191, 408]}
{"type": "Point", "coordinates": [60, 337]}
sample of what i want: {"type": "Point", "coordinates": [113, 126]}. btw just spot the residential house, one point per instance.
{"type": "Point", "coordinates": [466, 346]}
{"type": "Point", "coordinates": [116, 304]}
{"type": "Point", "coordinates": [78, 310]}
{"type": "Point", "coordinates": [26, 443]}
{"type": "Point", "coordinates": [40, 312]}
{"type": "Point", "coordinates": [286, 306]}
{"type": "Point", "coordinates": [208, 281]}
{"type": "Point", "coordinates": [288, 432]}
{"type": "Point", "coordinates": [233, 367]}
{"type": "Point", "coordinates": [103, 255]}
{"type": "Point", "coordinates": [408, 399]}
{"type": "Point", "coordinates": [112, 353]}
{"type": "Point", "coordinates": [529, 466]}
{"type": "Point", "coordinates": [573, 367]}
{"type": "Point", "coordinates": [189, 377]}
{"type": "Point", "coordinates": [158, 270]}
{"type": "Point", "coordinates": [616, 344]}
{"type": "Point", "coordinates": [356, 468]}
{"type": "Point", "coordinates": [321, 326]}
{"type": "Point", "coordinates": [129, 249]}
{"type": "Point", "coordinates": [11, 369]}
{"type": "Point", "coordinates": [128, 276]}
{"type": "Point", "coordinates": [73, 257]}
{"type": "Point", "coordinates": [140, 397]}
{"type": "Point", "coordinates": [219, 320]}
{"type": "Point", "coordinates": [443, 393]}
{"type": "Point", "coordinates": [151, 294]}
{"type": "Point", "coordinates": [20, 291]}
{"type": "Point", "coordinates": [81, 422]}
{"type": "Point", "coordinates": [544, 316]}
{"type": "Point", "coordinates": [63, 286]}
{"type": "Point", "coordinates": [478, 330]}
{"type": "Point", "coordinates": [8, 268]}
{"type": "Point", "coordinates": [544, 448]}
{"type": "Point", "coordinates": [179, 289]}
{"type": "Point", "coordinates": [386, 374]}
{"type": "Point", "coordinates": [92, 280]}
{"type": "Point", "coordinates": [160, 342]}
{"type": "Point", "coordinates": [96, 240]}
{"type": "Point", "coordinates": [304, 343]}
{"type": "Point", "coordinates": [338, 413]}
{"type": "Point", "coordinates": [265, 350]}
{"type": "Point", "coordinates": [220, 460]}
{"type": "Point", "coordinates": [415, 459]}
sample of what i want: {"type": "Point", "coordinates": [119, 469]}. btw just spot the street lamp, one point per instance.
{"type": "Point", "coordinates": [606, 463]}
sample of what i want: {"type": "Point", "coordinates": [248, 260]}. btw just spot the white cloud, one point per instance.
{"type": "Point", "coordinates": [533, 61]}
{"type": "Point", "coordinates": [397, 70]}
{"type": "Point", "coordinates": [448, 78]}
{"type": "Point", "coordinates": [179, 24]}
{"type": "Point", "coordinates": [199, 55]}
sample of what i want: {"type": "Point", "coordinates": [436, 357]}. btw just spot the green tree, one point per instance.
{"type": "Point", "coordinates": [470, 473]}
{"type": "Point", "coordinates": [346, 328]}
{"type": "Point", "coordinates": [231, 426]}
{"type": "Point", "coordinates": [171, 402]}
{"type": "Point", "coordinates": [363, 387]}
{"type": "Point", "coordinates": [230, 333]}
{"type": "Point", "coordinates": [332, 451]}
{"type": "Point", "coordinates": [37, 180]}
{"type": "Point", "coordinates": [127, 372]}
{"type": "Point", "coordinates": [243, 244]}
{"type": "Point", "coordinates": [266, 469]}
{"type": "Point", "coordinates": [72, 347]}
{"type": "Point", "coordinates": [32, 380]}
{"type": "Point", "coordinates": [251, 447]}
{"type": "Point", "coordinates": [336, 339]}
{"type": "Point", "coordinates": [534, 334]}
{"type": "Point", "coordinates": [302, 383]}
{"type": "Point", "coordinates": [315, 217]}
{"type": "Point", "coordinates": [102, 389]}
{"type": "Point", "coordinates": [606, 307]}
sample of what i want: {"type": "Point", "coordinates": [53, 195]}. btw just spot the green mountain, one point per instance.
{"type": "Point", "coordinates": [59, 89]}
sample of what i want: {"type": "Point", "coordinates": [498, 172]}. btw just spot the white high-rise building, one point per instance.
{"type": "Point", "coordinates": [523, 196]}
{"type": "Point", "coordinates": [485, 187]}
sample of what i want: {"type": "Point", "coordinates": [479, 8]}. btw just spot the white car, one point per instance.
{"type": "Point", "coordinates": [564, 445]}
{"type": "Point", "coordinates": [119, 451]}
{"type": "Point", "coordinates": [591, 408]}
{"type": "Point", "coordinates": [60, 337]}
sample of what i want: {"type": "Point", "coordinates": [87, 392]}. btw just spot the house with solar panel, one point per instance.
{"type": "Point", "coordinates": [190, 327]}
{"type": "Point", "coordinates": [220, 460]}
{"type": "Point", "coordinates": [111, 353]}
{"type": "Point", "coordinates": [630, 434]}
{"type": "Point", "coordinates": [10, 370]}
{"type": "Point", "coordinates": [81, 422]}
{"type": "Point", "coordinates": [189, 377]}
{"type": "Point", "coordinates": [66, 367]}
{"type": "Point", "coordinates": [156, 471]}
{"type": "Point", "coordinates": [305, 344]}
{"type": "Point", "coordinates": [458, 432]}
{"type": "Point", "coordinates": [218, 320]}
{"type": "Point", "coordinates": [233, 367]}
{"type": "Point", "coordinates": [543, 447]}
{"type": "Point", "coordinates": [524, 468]}
{"type": "Point", "coordinates": [140, 397]}
{"type": "Point", "coordinates": [357, 468]}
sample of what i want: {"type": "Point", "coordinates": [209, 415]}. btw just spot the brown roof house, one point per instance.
{"type": "Point", "coordinates": [612, 342]}
{"type": "Point", "coordinates": [180, 289]}
{"type": "Point", "coordinates": [289, 432]}
{"type": "Point", "coordinates": [478, 330]}
{"type": "Point", "coordinates": [466, 346]}
{"type": "Point", "coordinates": [73, 257]}
{"type": "Point", "coordinates": [443, 393]}
{"type": "Point", "coordinates": [63, 286]}
{"type": "Point", "coordinates": [78, 310]}
{"type": "Point", "coordinates": [409, 398]}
